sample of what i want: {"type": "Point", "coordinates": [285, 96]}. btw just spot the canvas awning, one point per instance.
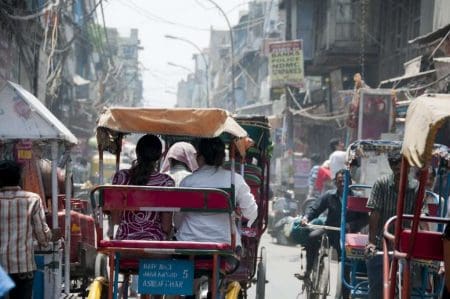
{"type": "Point", "coordinates": [176, 121]}
{"type": "Point", "coordinates": [424, 117]}
{"type": "Point", "coordinates": [23, 116]}
{"type": "Point", "coordinates": [205, 123]}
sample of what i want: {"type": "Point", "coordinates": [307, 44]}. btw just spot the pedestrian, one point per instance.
{"type": "Point", "coordinates": [337, 156]}
{"type": "Point", "coordinates": [315, 160]}
{"type": "Point", "coordinates": [22, 219]}
{"type": "Point", "coordinates": [383, 205]}
{"type": "Point", "coordinates": [323, 180]}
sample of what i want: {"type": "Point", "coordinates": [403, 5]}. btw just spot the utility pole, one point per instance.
{"type": "Point", "coordinates": [233, 88]}
{"type": "Point", "coordinates": [205, 61]}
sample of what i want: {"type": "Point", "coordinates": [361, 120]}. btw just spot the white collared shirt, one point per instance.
{"type": "Point", "coordinates": [210, 227]}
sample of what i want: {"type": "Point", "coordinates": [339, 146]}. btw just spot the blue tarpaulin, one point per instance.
{"type": "Point", "coordinates": [6, 283]}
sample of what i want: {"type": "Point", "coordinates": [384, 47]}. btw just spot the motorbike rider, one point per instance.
{"type": "Point", "coordinates": [330, 201]}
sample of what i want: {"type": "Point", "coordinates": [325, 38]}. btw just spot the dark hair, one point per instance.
{"type": "Point", "coordinates": [334, 143]}
{"type": "Point", "coordinates": [315, 158]}
{"type": "Point", "coordinates": [212, 150]}
{"type": "Point", "coordinates": [340, 171]}
{"type": "Point", "coordinates": [10, 173]}
{"type": "Point", "coordinates": [394, 158]}
{"type": "Point", "coordinates": [148, 152]}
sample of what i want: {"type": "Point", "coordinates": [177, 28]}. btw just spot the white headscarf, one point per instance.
{"type": "Point", "coordinates": [183, 152]}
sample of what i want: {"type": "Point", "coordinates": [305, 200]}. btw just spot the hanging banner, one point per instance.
{"type": "Point", "coordinates": [286, 64]}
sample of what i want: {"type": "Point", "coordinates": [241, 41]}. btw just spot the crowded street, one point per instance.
{"type": "Point", "coordinates": [224, 149]}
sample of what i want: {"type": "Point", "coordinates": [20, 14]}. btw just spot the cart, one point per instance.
{"type": "Point", "coordinates": [181, 260]}
{"type": "Point", "coordinates": [425, 116]}
{"type": "Point", "coordinates": [32, 132]}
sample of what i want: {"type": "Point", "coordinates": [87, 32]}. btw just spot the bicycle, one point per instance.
{"type": "Point", "coordinates": [318, 284]}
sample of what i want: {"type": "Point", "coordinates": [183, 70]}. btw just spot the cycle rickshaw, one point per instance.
{"type": "Point", "coordinates": [173, 274]}
{"type": "Point", "coordinates": [425, 116]}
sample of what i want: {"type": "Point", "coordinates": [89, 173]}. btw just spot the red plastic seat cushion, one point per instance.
{"type": "Point", "coordinates": [428, 245]}
{"type": "Point", "coordinates": [357, 204]}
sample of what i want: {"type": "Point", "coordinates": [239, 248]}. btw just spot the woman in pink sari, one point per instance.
{"type": "Point", "coordinates": [142, 225]}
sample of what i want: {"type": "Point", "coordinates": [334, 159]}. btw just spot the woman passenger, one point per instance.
{"type": "Point", "coordinates": [142, 225]}
{"type": "Point", "coordinates": [180, 161]}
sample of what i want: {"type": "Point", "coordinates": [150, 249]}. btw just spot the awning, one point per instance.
{"type": "Point", "coordinates": [424, 117]}
{"type": "Point", "coordinates": [432, 36]}
{"type": "Point", "coordinates": [204, 123]}
{"type": "Point", "coordinates": [25, 117]}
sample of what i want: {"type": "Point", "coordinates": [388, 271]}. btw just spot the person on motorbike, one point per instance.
{"type": "Point", "coordinates": [330, 201]}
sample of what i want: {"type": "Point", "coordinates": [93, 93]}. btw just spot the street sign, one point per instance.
{"type": "Point", "coordinates": [168, 277]}
{"type": "Point", "coordinates": [286, 64]}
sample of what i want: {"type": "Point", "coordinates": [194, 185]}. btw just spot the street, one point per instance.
{"type": "Point", "coordinates": [282, 263]}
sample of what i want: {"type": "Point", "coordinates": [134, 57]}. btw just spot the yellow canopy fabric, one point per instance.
{"type": "Point", "coordinates": [206, 123]}
{"type": "Point", "coordinates": [424, 117]}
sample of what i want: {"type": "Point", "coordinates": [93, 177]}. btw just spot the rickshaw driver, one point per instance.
{"type": "Point", "coordinates": [330, 201]}
{"type": "Point", "coordinates": [383, 205]}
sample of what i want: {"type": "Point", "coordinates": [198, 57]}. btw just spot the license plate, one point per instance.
{"type": "Point", "coordinates": [166, 277]}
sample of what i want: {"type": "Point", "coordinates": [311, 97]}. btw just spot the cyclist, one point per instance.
{"type": "Point", "coordinates": [330, 201]}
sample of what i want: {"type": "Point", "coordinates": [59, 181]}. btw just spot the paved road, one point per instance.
{"type": "Point", "coordinates": [282, 263]}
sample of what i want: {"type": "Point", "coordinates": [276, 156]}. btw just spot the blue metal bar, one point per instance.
{"type": "Point", "coordinates": [345, 194]}
{"type": "Point", "coordinates": [116, 275]}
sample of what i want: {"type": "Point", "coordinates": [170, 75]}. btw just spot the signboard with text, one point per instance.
{"type": "Point", "coordinates": [286, 64]}
{"type": "Point", "coordinates": [168, 277]}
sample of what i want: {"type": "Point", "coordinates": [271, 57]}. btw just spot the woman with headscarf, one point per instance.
{"type": "Point", "coordinates": [143, 225]}
{"type": "Point", "coordinates": [180, 161]}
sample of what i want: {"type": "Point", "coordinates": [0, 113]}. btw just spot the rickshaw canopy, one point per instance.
{"type": "Point", "coordinates": [424, 117]}
{"type": "Point", "coordinates": [25, 117]}
{"type": "Point", "coordinates": [114, 122]}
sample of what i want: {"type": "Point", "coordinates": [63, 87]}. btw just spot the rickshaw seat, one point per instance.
{"type": "Point", "coordinates": [118, 198]}
{"type": "Point", "coordinates": [355, 245]}
{"type": "Point", "coordinates": [176, 245]}
{"type": "Point", "coordinates": [357, 204]}
{"type": "Point", "coordinates": [428, 245]}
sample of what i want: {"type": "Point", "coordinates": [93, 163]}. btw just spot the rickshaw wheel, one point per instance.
{"type": "Point", "coordinates": [261, 275]}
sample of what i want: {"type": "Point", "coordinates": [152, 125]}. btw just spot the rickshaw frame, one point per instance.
{"type": "Point", "coordinates": [114, 123]}
{"type": "Point", "coordinates": [424, 118]}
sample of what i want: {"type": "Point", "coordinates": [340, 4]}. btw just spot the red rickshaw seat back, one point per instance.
{"type": "Point", "coordinates": [121, 198]}
{"type": "Point", "coordinates": [357, 204]}
{"type": "Point", "coordinates": [428, 244]}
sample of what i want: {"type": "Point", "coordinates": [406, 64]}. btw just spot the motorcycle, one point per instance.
{"type": "Point", "coordinates": [284, 210]}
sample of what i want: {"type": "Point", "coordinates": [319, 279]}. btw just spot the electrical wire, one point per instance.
{"type": "Point", "coordinates": [34, 15]}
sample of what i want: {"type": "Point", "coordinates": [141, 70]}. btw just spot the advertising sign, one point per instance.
{"type": "Point", "coordinates": [286, 64]}
{"type": "Point", "coordinates": [169, 277]}
{"type": "Point", "coordinates": [376, 113]}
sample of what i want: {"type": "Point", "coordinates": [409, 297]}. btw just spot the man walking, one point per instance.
{"type": "Point", "coordinates": [21, 218]}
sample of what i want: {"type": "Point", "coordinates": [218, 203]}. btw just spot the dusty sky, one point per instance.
{"type": "Point", "coordinates": [190, 19]}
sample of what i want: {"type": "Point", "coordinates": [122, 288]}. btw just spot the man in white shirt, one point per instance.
{"type": "Point", "coordinates": [214, 227]}
{"type": "Point", "coordinates": [337, 157]}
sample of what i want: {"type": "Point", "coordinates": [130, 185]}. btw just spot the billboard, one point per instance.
{"type": "Point", "coordinates": [286, 64]}
{"type": "Point", "coordinates": [376, 113]}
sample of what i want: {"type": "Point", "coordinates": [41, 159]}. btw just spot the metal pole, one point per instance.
{"type": "Point", "coordinates": [233, 96]}
{"type": "Point", "coordinates": [67, 227]}
{"type": "Point", "coordinates": [205, 61]}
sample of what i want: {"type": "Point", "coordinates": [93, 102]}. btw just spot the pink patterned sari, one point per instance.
{"type": "Point", "coordinates": [141, 225]}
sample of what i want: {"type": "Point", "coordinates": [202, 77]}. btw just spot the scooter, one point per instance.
{"type": "Point", "coordinates": [284, 210]}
